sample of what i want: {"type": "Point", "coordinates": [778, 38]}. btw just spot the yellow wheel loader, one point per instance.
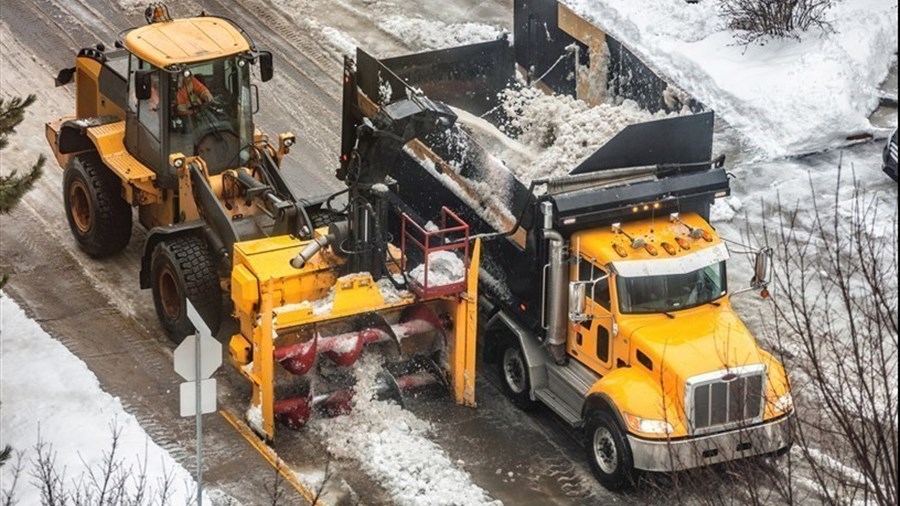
{"type": "Point", "coordinates": [164, 123]}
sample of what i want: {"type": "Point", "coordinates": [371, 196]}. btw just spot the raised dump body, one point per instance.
{"type": "Point", "coordinates": [604, 289]}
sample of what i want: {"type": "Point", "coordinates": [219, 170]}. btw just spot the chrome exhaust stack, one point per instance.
{"type": "Point", "coordinates": [555, 289]}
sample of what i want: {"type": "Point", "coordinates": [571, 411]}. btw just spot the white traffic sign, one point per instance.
{"type": "Point", "coordinates": [207, 397]}
{"type": "Point", "coordinates": [186, 357]}
{"type": "Point", "coordinates": [210, 350]}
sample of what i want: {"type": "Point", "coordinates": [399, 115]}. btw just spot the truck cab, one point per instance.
{"type": "Point", "coordinates": [659, 370]}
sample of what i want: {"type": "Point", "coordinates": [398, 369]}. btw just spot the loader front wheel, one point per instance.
{"type": "Point", "coordinates": [182, 268]}
{"type": "Point", "coordinates": [98, 216]}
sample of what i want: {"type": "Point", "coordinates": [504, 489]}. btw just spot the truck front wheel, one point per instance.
{"type": "Point", "coordinates": [608, 451]}
{"type": "Point", "coordinates": [182, 268]}
{"type": "Point", "coordinates": [98, 216]}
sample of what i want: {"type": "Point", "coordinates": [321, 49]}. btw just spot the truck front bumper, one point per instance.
{"type": "Point", "coordinates": [666, 456]}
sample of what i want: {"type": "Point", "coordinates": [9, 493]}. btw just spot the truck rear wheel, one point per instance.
{"type": "Point", "coordinates": [608, 451]}
{"type": "Point", "coordinates": [182, 268]}
{"type": "Point", "coordinates": [98, 216]}
{"type": "Point", "coordinates": [514, 374]}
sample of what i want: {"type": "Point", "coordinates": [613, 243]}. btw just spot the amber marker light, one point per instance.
{"type": "Point", "coordinates": [670, 248]}
{"type": "Point", "coordinates": [683, 242]}
{"type": "Point", "coordinates": [620, 250]}
{"type": "Point", "coordinates": [651, 249]}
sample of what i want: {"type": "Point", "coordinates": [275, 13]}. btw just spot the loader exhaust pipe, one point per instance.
{"type": "Point", "coordinates": [556, 288]}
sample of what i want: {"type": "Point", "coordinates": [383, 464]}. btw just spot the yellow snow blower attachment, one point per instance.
{"type": "Point", "coordinates": [309, 309]}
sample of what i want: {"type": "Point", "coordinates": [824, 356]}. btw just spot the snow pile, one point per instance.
{"type": "Point", "coordinates": [564, 130]}
{"type": "Point", "coordinates": [73, 415]}
{"type": "Point", "coordinates": [444, 268]}
{"type": "Point", "coordinates": [784, 96]}
{"type": "Point", "coordinates": [426, 34]}
{"type": "Point", "coordinates": [392, 447]}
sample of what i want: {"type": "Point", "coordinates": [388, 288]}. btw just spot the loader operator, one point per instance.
{"type": "Point", "coordinates": [191, 94]}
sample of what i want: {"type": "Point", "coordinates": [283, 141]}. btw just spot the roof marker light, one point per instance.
{"type": "Point", "coordinates": [670, 248]}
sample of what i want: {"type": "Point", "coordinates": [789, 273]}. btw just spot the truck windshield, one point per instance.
{"type": "Point", "coordinates": [671, 292]}
{"type": "Point", "coordinates": [210, 112]}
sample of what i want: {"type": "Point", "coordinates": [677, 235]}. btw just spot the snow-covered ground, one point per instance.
{"type": "Point", "coordinates": [786, 97]}
{"type": "Point", "coordinates": [392, 445]}
{"type": "Point", "coordinates": [50, 395]}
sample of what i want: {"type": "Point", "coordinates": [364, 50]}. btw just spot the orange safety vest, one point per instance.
{"type": "Point", "coordinates": [190, 94]}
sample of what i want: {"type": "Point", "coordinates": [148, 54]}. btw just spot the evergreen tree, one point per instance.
{"type": "Point", "coordinates": [13, 186]}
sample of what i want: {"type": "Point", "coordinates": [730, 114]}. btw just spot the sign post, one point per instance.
{"type": "Point", "coordinates": [196, 359]}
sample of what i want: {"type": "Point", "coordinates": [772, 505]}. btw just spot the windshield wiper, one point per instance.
{"type": "Point", "coordinates": [669, 315]}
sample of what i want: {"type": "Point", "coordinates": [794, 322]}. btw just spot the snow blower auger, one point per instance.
{"type": "Point", "coordinates": [309, 309]}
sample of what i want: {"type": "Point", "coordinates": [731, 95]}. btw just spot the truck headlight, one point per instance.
{"type": "Point", "coordinates": [648, 426]}
{"type": "Point", "coordinates": [785, 403]}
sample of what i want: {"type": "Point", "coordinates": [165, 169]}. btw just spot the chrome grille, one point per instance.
{"type": "Point", "coordinates": [726, 399]}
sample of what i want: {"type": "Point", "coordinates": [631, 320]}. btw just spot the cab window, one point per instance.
{"type": "Point", "coordinates": [587, 271]}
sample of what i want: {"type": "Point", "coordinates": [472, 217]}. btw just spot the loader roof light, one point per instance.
{"type": "Point", "coordinates": [157, 13]}
{"type": "Point", "coordinates": [178, 163]}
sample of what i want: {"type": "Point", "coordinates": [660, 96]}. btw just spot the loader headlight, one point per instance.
{"type": "Point", "coordinates": [785, 403]}
{"type": "Point", "coordinates": [289, 142]}
{"type": "Point", "coordinates": [648, 426]}
{"type": "Point", "coordinates": [178, 163]}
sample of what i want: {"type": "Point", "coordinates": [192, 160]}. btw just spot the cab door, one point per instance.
{"type": "Point", "coordinates": [590, 341]}
{"type": "Point", "coordinates": [143, 119]}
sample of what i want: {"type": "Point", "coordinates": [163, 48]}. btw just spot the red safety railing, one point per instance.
{"type": "Point", "coordinates": [452, 235]}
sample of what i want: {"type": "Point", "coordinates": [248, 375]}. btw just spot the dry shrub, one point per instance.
{"type": "Point", "coordinates": [757, 19]}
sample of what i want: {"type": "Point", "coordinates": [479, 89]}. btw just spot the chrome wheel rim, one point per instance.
{"type": "Point", "coordinates": [605, 450]}
{"type": "Point", "coordinates": [514, 370]}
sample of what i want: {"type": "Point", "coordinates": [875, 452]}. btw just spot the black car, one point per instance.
{"type": "Point", "coordinates": [890, 157]}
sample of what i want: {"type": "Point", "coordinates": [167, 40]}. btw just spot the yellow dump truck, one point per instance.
{"type": "Point", "coordinates": [604, 293]}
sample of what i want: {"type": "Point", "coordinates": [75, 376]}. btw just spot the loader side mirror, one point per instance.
{"type": "Point", "coordinates": [762, 269]}
{"type": "Point", "coordinates": [142, 86]}
{"type": "Point", "coordinates": [266, 71]}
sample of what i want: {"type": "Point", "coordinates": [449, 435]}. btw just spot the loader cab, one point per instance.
{"type": "Point", "coordinates": [185, 97]}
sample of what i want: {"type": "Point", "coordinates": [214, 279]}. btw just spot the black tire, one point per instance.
{"type": "Point", "coordinates": [513, 369]}
{"type": "Point", "coordinates": [180, 268]}
{"type": "Point", "coordinates": [99, 218]}
{"type": "Point", "coordinates": [608, 451]}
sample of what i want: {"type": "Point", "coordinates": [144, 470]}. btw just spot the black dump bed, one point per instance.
{"type": "Point", "coordinates": [673, 157]}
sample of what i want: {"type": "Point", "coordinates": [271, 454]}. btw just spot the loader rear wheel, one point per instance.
{"type": "Point", "coordinates": [182, 268]}
{"type": "Point", "coordinates": [609, 452]}
{"type": "Point", "coordinates": [98, 216]}
{"type": "Point", "coordinates": [514, 374]}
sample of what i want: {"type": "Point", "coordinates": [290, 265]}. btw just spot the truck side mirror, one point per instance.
{"type": "Point", "coordinates": [762, 269]}
{"type": "Point", "coordinates": [266, 70]}
{"type": "Point", "coordinates": [142, 86]}
{"type": "Point", "coordinates": [577, 300]}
